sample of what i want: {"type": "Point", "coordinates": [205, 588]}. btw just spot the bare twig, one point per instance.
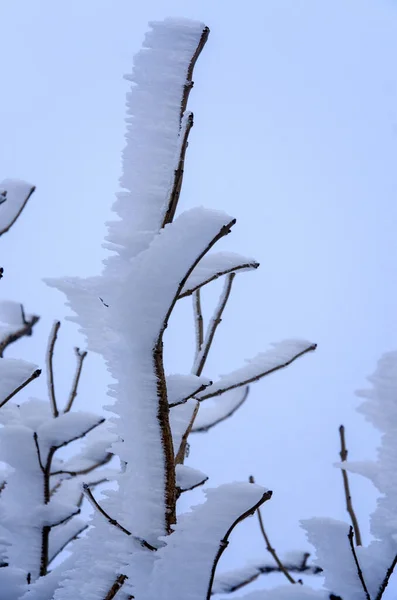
{"type": "Point", "coordinates": [198, 322]}
{"type": "Point", "coordinates": [349, 504]}
{"type": "Point", "coordinates": [98, 507]}
{"type": "Point", "coordinates": [220, 391]}
{"type": "Point", "coordinates": [359, 571]}
{"type": "Point", "coordinates": [24, 330]}
{"type": "Point", "coordinates": [32, 377]}
{"type": "Point", "coordinates": [225, 540]}
{"type": "Point", "coordinates": [234, 269]}
{"type": "Point", "coordinates": [269, 547]}
{"type": "Point", "coordinates": [50, 367]}
{"type": "Point", "coordinates": [224, 417]}
{"type": "Point", "coordinates": [73, 392]}
{"type": "Point", "coordinates": [385, 582]}
{"type": "Point", "coordinates": [11, 223]}
{"type": "Point", "coordinates": [119, 582]}
{"type": "Point", "coordinates": [212, 327]}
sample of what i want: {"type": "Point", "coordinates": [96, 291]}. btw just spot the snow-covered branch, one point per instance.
{"type": "Point", "coordinates": [14, 197]}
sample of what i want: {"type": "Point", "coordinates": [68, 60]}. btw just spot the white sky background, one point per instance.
{"type": "Point", "coordinates": [296, 136]}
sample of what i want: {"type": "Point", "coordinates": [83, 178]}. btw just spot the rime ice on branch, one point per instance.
{"type": "Point", "coordinates": [156, 261]}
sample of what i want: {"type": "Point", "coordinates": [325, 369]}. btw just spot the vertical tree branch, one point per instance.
{"type": "Point", "coordinates": [213, 325]}
{"type": "Point", "coordinates": [269, 547]}
{"type": "Point", "coordinates": [73, 392]}
{"type": "Point", "coordinates": [50, 367]}
{"type": "Point", "coordinates": [349, 504]}
{"type": "Point", "coordinates": [355, 558]}
{"type": "Point", "coordinates": [198, 322]}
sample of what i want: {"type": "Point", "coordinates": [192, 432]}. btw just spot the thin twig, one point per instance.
{"type": "Point", "coordinates": [50, 367]}
{"type": "Point", "coordinates": [385, 582]}
{"type": "Point", "coordinates": [201, 388]}
{"type": "Point", "coordinates": [269, 547]}
{"type": "Point", "coordinates": [220, 391]}
{"type": "Point", "coordinates": [213, 325]}
{"type": "Point", "coordinates": [16, 216]}
{"type": "Point", "coordinates": [349, 504]}
{"type": "Point", "coordinates": [234, 269]}
{"type": "Point", "coordinates": [73, 392]}
{"type": "Point", "coordinates": [98, 507]}
{"type": "Point", "coordinates": [25, 330]}
{"type": "Point", "coordinates": [198, 322]}
{"type": "Point", "coordinates": [359, 571]}
{"type": "Point", "coordinates": [87, 470]}
{"type": "Point", "coordinates": [231, 412]}
{"type": "Point", "coordinates": [71, 539]}
{"type": "Point", "coordinates": [227, 584]}
{"type": "Point", "coordinates": [225, 540]}
{"type": "Point", "coordinates": [32, 377]}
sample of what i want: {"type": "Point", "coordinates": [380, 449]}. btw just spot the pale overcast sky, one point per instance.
{"type": "Point", "coordinates": [295, 135]}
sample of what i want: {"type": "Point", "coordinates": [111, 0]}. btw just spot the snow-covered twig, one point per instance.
{"type": "Point", "coordinates": [24, 330]}
{"type": "Point", "coordinates": [232, 581]}
{"type": "Point", "coordinates": [73, 392]}
{"type": "Point", "coordinates": [118, 584]}
{"type": "Point", "coordinates": [213, 276]}
{"type": "Point", "coordinates": [219, 387]}
{"type": "Point", "coordinates": [269, 547]}
{"type": "Point", "coordinates": [204, 427]}
{"type": "Point", "coordinates": [50, 367]}
{"type": "Point", "coordinates": [19, 196]}
{"type": "Point", "coordinates": [189, 76]}
{"type": "Point", "coordinates": [32, 377]}
{"type": "Point", "coordinates": [225, 540]}
{"type": "Point", "coordinates": [114, 522]}
{"type": "Point", "coordinates": [349, 504]}
{"type": "Point", "coordinates": [180, 455]}
{"type": "Point", "coordinates": [356, 561]}
{"type": "Point", "coordinates": [178, 174]}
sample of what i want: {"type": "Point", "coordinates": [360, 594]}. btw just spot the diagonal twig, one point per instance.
{"type": "Point", "coordinates": [234, 269]}
{"type": "Point", "coordinates": [32, 377]}
{"type": "Point", "coordinates": [17, 215]}
{"type": "Point", "coordinates": [225, 540]}
{"type": "Point", "coordinates": [50, 367]}
{"type": "Point", "coordinates": [220, 391]}
{"type": "Point", "coordinates": [355, 558]}
{"type": "Point", "coordinates": [349, 504]}
{"type": "Point", "coordinates": [269, 547]}
{"type": "Point", "coordinates": [24, 330]}
{"type": "Point", "coordinates": [73, 392]}
{"type": "Point", "coordinates": [114, 522]}
{"type": "Point", "coordinates": [231, 412]}
{"type": "Point", "coordinates": [385, 582]}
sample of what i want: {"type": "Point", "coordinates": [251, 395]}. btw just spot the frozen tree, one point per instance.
{"type": "Point", "coordinates": [140, 543]}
